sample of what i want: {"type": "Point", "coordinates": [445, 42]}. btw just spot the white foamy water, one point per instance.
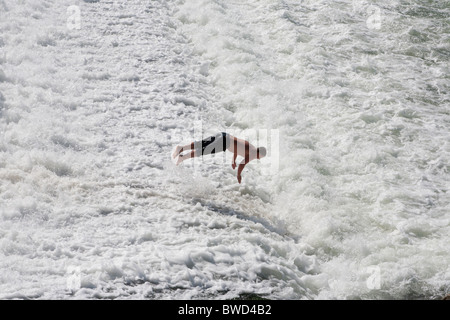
{"type": "Point", "coordinates": [95, 95]}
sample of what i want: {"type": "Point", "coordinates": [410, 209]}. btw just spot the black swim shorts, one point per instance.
{"type": "Point", "coordinates": [214, 144]}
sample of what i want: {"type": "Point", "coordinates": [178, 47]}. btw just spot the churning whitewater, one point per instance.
{"type": "Point", "coordinates": [351, 99]}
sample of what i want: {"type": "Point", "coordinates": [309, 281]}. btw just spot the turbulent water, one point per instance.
{"type": "Point", "coordinates": [351, 98]}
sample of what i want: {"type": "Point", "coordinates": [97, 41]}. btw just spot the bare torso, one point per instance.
{"type": "Point", "coordinates": [243, 148]}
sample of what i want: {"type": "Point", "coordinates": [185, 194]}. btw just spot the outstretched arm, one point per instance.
{"type": "Point", "coordinates": [241, 167]}
{"type": "Point", "coordinates": [233, 164]}
{"type": "Point", "coordinates": [246, 160]}
{"type": "Point", "coordinates": [235, 154]}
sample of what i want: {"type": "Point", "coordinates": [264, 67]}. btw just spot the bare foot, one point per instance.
{"type": "Point", "coordinates": [180, 160]}
{"type": "Point", "coordinates": [176, 152]}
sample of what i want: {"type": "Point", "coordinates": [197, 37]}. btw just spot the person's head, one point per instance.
{"type": "Point", "coordinates": [261, 152]}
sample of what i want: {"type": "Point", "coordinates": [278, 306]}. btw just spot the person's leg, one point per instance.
{"type": "Point", "coordinates": [180, 149]}
{"type": "Point", "coordinates": [198, 148]}
{"type": "Point", "coordinates": [188, 155]}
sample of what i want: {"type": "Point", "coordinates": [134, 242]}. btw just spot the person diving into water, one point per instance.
{"type": "Point", "coordinates": [220, 143]}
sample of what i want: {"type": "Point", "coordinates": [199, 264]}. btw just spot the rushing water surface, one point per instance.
{"type": "Point", "coordinates": [351, 98]}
